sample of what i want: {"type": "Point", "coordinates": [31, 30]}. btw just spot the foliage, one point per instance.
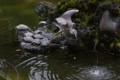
{"type": "Point", "coordinates": [89, 10]}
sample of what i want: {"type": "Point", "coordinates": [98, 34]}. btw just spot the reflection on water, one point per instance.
{"type": "Point", "coordinates": [97, 73]}
{"type": "Point", "coordinates": [5, 67]}
{"type": "Point", "coordinates": [49, 68]}
{"type": "Point", "coordinates": [12, 13]}
{"type": "Point", "coordinates": [37, 67]}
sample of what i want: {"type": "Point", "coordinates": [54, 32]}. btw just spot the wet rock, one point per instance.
{"type": "Point", "coordinates": [38, 36]}
{"type": "Point", "coordinates": [72, 45]}
{"type": "Point", "coordinates": [42, 23]}
{"type": "Point", "coordinates": [44, 42]}
{"type": "Point", "coordinates": [28, 34]}
{"type": "Point", "coordinates": [54, 28]}
{"type": "Point", "coordinates": [28, 39]}
{"type": "Point", "coordinates": [44, 29]}
{"type": "Point", "coordinates": [52, 47]}
{"type": "Point", "coordinates": [63, 47]}
{"type": "Point", "coordinates": [36, 41]}
{"type": "Point", "coordinates": [89, 16]}
{"type": "Point", "coordinates": [37, 31]}
{"type": "Point", "coordinates": [43, 26]}
{"type": "Point", "coordinates": [48, 35]}
{"type": "Point", "coordinates": [29, 46]}
{"type": "Point", "coordinates": [44, 8]}
{"type": "Point", "coordinates": [21, 29]}
{"type": "Point", "coordinates": [59, 39]}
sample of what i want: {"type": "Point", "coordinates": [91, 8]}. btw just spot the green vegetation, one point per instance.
{"type": "Point", "coordinates": [87, 9]}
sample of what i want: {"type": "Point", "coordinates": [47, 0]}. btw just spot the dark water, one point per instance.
{"type": "Point", "coordinates": [31, 66]}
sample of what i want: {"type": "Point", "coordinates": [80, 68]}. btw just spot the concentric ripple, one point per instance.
{"type": "Point", "coordinates": [39, 69]}
{"type": "Point", "coordinates": [97, 73]}
{"type": "Point", "coordinates": [46, 68]}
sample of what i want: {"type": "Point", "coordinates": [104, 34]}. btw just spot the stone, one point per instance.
{"type": "Point", "coordinates": [28, 39]}
{"type": "Point", "coordinates": [29, 46]}
{"type": "Point", "coordinates": [38, 31]}
{"type": "Point", "coordinates": [42, 23]}
{"type": "Point", "coordinates": [36, 41]}
{"type": "Point", "coordinates": [21, 27]}
{"type": "Point", "coordinates": [44, 8]}
{"type": "Point", "coordinates": [38, 36]}
{"type": "Point", "coordinates": [48, 35]}
{"type": "Point", "coordinates": [44, 42]}
{"type": "Point", "coordinates": [28, 34]}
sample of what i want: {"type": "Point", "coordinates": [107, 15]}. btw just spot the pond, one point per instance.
{"type": "Point", "coordinates": [36, 66]}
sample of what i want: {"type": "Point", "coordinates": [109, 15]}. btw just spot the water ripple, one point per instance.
{"type": "Point", "coordinates": [97, 73]}
{"type": "Point", "coordinates": [45, 68]}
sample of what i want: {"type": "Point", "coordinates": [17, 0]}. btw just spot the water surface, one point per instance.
{"type": "Point", "coordinates": [34, 66]}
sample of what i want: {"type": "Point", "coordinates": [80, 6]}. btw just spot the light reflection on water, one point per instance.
{"type": "Point", "coordinates": [97, 73]}
{"type": "Point", "coordinates": [40, 67]}
{"type": "Point", "coordinates": [47, 68]}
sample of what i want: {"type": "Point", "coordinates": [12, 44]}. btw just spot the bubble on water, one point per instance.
{"type": "Point", "coordinates": [97, 73]}
{"type": "Point", "coordinates": [42, 68]}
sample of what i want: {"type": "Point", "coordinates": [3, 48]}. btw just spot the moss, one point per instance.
{"type": "Point", "coordinates": [88, 13]}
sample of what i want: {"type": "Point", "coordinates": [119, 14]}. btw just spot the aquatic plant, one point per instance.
{"type": "Point", "coordinates": [4, 75]}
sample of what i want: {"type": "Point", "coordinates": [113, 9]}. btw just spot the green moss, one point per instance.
{"type": "Point", "coordinates": [87, 9]}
